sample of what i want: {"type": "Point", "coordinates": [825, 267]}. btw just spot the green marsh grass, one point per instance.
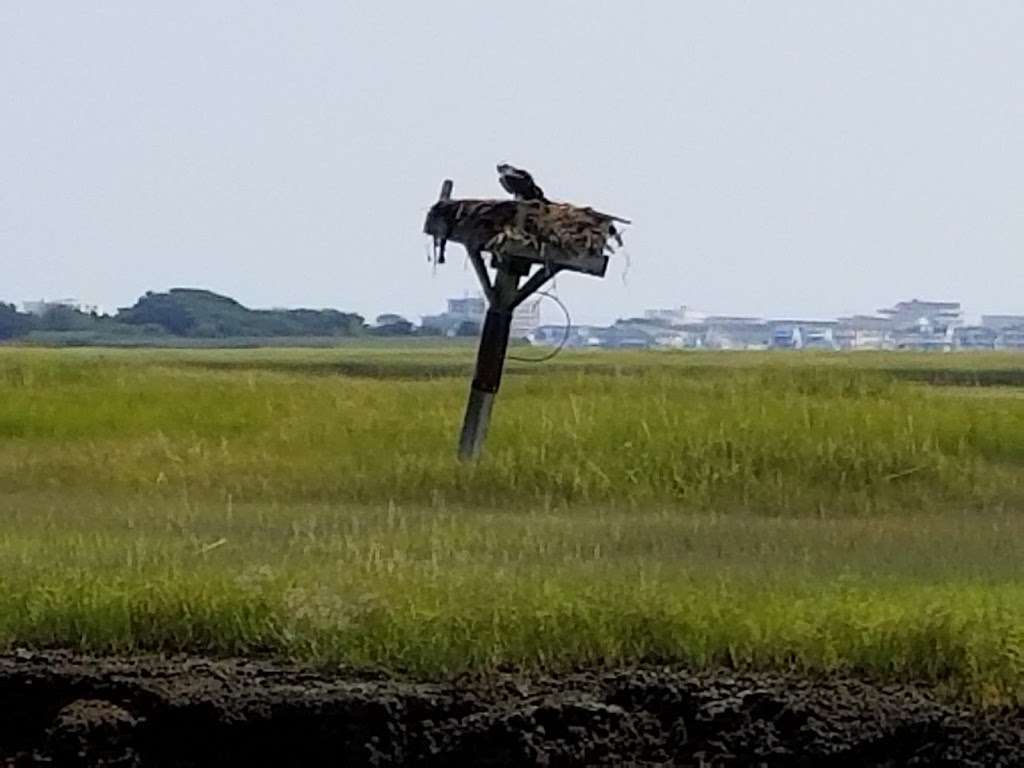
{"type": "Point", "coordinates": [817, 512]}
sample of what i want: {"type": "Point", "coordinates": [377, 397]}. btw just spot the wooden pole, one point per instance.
{"type": "Point", "coordinates": [490, 362]}
{"type": "Point", "coordinates": [472, 223]}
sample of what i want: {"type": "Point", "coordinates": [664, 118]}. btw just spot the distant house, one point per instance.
{"type": "Point", "coordinates": [526, 319]}
{"type": "Point", "coordinates": [625, 335]}
{"type": "Point", "coordinates": [803, 334]}
{"type": "Point", "coordinates": [864, 332]}
{"type": "Point", "coordinates": [1011, 338]}
{"type": "Point", "coordinates": [471, 310]}
{"type": "Point", "coordinates": [975, 337]}
{"type": "Point", "coordinates": [1009, 330]}
{"type": "Point", "coordinates": [678, 317]}
{"type": "Point", "coordinates": [924, 324]}
{"type": "Point", "coordinates": [724, 332]}
{"type": "Point", "coordinates": [1001, 323]}
{"type": "Point", "coordinates": [460, 312]}
{"type": "Point", "coordinates": [660, 331]}
{"type": "Point", "coordinates": [578, 335]}
{"type": "Point", "coordinates": [911, 314]}
{"type": "Point", "coordinates": [468, 306]}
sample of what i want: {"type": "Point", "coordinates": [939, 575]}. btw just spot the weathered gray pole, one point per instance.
{"type": "Point", "coordinates": [490, 361]}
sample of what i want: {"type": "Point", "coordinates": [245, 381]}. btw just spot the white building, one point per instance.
{"type": "Point", "coordinates": [924, 324]}
{"type": "Point", "coordinates": [723, 332]}
{"type": "Point", "coordinates": [470, 309]}
{"type": "Point", "coordinates": [804, 334]}
{"type": "Point", "coordinates": [864, 332]}
{"type": "Point", "coordinates": [1009, 330]}
{"type": "Point", "coordinates": [473, 309]}
{"type": "Point", "coordinates": [526, 319]}
{"type": "Point", "coordinates": [574, 336]}
{"type": "Point", "coordinates": [1000, 323]}
{"type": "Point", "coordinates": [675, 317]}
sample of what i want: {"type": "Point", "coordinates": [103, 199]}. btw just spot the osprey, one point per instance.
{"type": "Point", "coordinates": [519, 183]}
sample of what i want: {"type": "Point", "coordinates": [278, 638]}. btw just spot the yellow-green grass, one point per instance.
{"type": "Point", "coordinates": [821, 512]}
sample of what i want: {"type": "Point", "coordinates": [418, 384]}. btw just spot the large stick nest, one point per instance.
{"type": "Point", "coordinates": [514, 226]}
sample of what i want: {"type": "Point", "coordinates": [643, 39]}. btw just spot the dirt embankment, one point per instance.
{"type": "Point", "coordinates": [59, 709]}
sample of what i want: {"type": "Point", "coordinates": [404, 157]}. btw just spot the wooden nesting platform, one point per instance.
{"type": "Point", "coordinates": [518, 234]}
{"type": "Point", "coordinates": [558, 235]}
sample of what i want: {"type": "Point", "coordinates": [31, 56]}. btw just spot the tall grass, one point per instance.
{"type": "Point", "coordinates": [819, 513]}
{"type": "Point", "coordinates": [779, 437]}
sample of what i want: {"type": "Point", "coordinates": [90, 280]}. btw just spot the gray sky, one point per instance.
{"type": "Point", "coordinates": [798, 158]}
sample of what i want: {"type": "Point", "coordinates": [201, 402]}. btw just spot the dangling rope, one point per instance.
{"type": "Point", "coordinates": [565, 335]}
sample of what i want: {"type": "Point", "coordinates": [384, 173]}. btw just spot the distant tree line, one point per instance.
{"type": "Point", "coordinates": [186, 313]}
{"type": "Point", "coordinates": [14, 323]}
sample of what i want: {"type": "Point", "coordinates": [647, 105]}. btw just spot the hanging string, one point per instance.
{"type": "Point", "coordinates": [627, 266]}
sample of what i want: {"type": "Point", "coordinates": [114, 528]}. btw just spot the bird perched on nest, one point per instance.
{"type": "Point", "coordinates": [519, 183]}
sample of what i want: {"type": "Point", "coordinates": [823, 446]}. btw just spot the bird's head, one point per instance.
{"type": "Point", "coordinates": [504, 168]}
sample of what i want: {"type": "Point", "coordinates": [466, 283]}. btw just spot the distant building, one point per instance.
{"type": "Point", "coordinates": [864, 332]}
{"type": "Point", "coordinates": [625, 335]}
{"type": "Point", "coordinates": [1009, 330]}
{"type": "Point", "coordinates": [468, 307]}
{"type": "Point", "coordinates": [472, 309]}
{"type": "Point", "coordinates": [819, 334]}
{"type": "Point", "coordinates": [526, 319]}
{"type": "Point", "coordinates": [1003, 322]}
{"type": "Point", "coordinates": [914, 313]}
{"type": "Point", "coordinates": [466, 310]}
{"type": "Point", "coordinates": [975, 337]}
{"type": "Point", "coordinates": [924, 324]}
{"type": "Point", "coordinates": [724, 332]}
{"type": "Point", "coordinates": [577, 335]}
{"type": "Point", "coordinates": [1011, 338]}
{"type": "Point", "coordinates": [803, 334]}
{"type": "Point", "coordinates": [675, 317]}
{"type": "Point", "coordinates": [659, 331]}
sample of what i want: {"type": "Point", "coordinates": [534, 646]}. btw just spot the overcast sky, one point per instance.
{"type": "Point", "coordinates": [787, 158]}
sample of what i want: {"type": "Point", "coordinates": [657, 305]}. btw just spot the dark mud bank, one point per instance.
{"type": "Point", "coordinates": [59, 709]}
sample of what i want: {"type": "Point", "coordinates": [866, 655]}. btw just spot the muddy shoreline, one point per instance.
{"type": "Point", "coordinates": [62, 709]}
